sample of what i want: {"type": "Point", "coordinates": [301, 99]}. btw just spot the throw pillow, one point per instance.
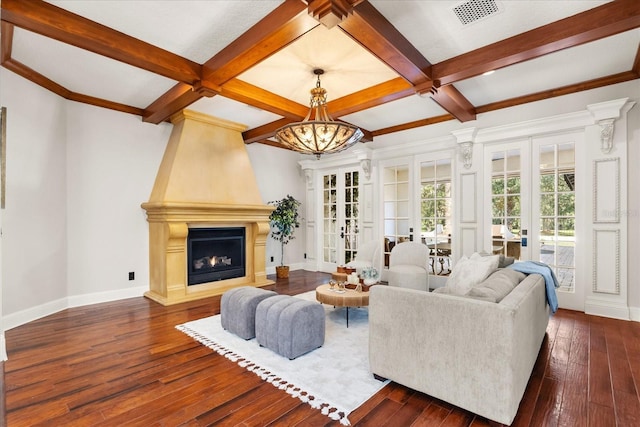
{"type": "Point", "coordinates": [497, 285]}
{"type": "Point", "coordinates": [468, 272]}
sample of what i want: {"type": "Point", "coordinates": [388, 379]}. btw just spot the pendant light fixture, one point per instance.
{"type": "Point", "coordinates": [318, 133]}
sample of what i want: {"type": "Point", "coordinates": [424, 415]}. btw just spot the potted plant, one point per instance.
{"type": "Point", "coordinates": [283, 222]}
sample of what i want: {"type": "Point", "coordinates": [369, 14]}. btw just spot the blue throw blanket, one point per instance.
{"type": "Point", "coordinates": [531, 267]}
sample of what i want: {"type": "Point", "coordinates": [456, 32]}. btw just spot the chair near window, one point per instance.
{"type": "Point", "coordinates": [408, 266]}
{"type": "Point", "coordinates": [369, 254]}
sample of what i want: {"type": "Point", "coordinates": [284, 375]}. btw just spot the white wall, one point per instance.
{"type": "Point", "coordinates": [112, 163]}
{"type": "Point", "coordinates": [278, 174]}
{"type": "Point", "coordinates": [34, 221]}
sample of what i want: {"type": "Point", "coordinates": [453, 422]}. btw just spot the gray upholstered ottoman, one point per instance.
{"type": "Point", "coordinates": [290, 326]}
{"type": "Point", "coordinates": [238, 310]}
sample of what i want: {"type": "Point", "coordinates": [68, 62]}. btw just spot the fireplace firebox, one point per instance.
{"type": "Point", "coordinates": [215, 254]}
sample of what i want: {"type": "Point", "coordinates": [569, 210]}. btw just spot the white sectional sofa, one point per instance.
{"type": "Point", "coordinates": [470, 352]}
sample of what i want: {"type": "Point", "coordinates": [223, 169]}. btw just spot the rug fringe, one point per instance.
{"type": "Point", "coordinates": [325, 407]}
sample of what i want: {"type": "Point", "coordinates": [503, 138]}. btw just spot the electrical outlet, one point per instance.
{"type": "Point", "coordinates": [305, 255]}
{"type": "Point", "coordinates": [271, 259]}
{"type": "Point", "coordinates": [132, 275]}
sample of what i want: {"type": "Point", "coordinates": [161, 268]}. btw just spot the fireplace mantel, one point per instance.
{"type": "Point", "coordinates": [205, 180]}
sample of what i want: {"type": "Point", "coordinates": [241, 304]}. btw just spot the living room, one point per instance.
{"type": "Point", "coordinates": [77, 174]}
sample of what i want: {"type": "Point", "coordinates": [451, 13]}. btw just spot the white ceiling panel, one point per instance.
{"type": "Point", "coordinates": [196, 30]}
{"type": "Point", "coordinates": [348, 68]}
{"type": "Point", "coordinates": [434, 29]}
{"type": "Point", "coordinates": [582, 63]}
{"type": "Point", "coordinates": [87, 73]}
{"type": "Point", "coordinates": [228, 109]}
{"type": "Point", "coordinates": [394, 113]}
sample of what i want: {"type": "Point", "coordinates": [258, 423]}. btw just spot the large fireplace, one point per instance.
{"type": "Point", "coordinates": [215, 254]}
{"type": "Point", "coordinates": [205, 184]}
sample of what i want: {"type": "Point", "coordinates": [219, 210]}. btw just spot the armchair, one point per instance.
{"type": "Point", "coordinates": [408, 266]}
{"type": "Point", "coordinates": [369, 255]}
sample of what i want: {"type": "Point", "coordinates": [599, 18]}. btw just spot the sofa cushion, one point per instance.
{"type": "Point", "coordinates": [468, 272]}
{"type": "Point", "coordinates": [497, 285]}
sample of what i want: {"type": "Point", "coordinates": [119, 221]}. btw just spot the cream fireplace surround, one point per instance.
{"type": "Point", "coordinates": [205, 180]}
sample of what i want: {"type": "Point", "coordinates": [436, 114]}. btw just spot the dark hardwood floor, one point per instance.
{"type": "Point", "coordinates": [124, 364]}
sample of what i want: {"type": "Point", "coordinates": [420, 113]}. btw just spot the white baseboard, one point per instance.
{"type": "Point", "coordinates": [3, 348]}
{"type": "Point", "coordinates": [13, 320]}
{"type": "Point", "coordinates": [607, 309]}
{"type": "Point", "coordinates": [634, 314]}
{"type": "Point", "coordinates": [98, 297]}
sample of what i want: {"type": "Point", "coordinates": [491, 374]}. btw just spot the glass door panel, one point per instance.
{"type": "Point", "coordinates": [557, 211]}
{"type": "Point", "coordinates": [436, 213]}
{"type": "Point", "coordinates": [340, 198]}
{"type": "Point", "coordinates": [396, 209]}
{"type": "Point", "coordinates": [506, 208]}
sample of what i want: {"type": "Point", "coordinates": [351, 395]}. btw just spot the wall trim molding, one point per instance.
{"type": "Point", "coordinates": [634, 314]}
{"type": "Point", "coordinates": [599, 307]}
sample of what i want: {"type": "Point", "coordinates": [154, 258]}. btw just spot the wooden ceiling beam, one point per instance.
{"type": "Point", "coordinates": [449, 98]}
{"type": "Point", "coordinates": [368, 27]}
{"type": "Point", "coordinates": [175, 99]}
{"type": "Point", "coordinates": [371, 97]}
{"type": "Point", "coordinates": [56, 23]}
{"type": "Point", "coordinates": [6, 38]}
{"type": "Point", "coordinates": [278, 29]}
{"type": "Point", "coordinates": [273, 33]}
{"type": "Point", "coordinates": [37, 78]}
{"type": "Point", "coordinates": [331, 12]}
{"type": "Point", "coordinates": [265, 131]}
{"type": "Point", "coordinates": [594, 24]}
{"type": "Point", "coordinates": [249, 94]}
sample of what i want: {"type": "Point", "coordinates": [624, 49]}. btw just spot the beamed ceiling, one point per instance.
{"type": "Point", "coordinates": [390, 66]}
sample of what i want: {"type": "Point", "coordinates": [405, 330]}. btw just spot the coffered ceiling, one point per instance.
{"type": "Point", "coordinates": [390, 65]}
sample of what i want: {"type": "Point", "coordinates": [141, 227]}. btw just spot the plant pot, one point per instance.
{"type": "Point", "coordinates": [282, 271]}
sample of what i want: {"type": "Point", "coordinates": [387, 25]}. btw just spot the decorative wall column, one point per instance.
{"type": "Point", "coordinates": [367, 196]}
{"type": "Point", "coordinates": [310, 213]}
{"type": "Point", "coordinates": [606, 146]}
{"type": "Point", "coordinates": [468, 195]}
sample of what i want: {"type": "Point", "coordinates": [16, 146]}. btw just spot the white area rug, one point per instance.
{"type": "Point", "coordinates": [334, 378]}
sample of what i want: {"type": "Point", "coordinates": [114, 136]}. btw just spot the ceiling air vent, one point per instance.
{"type": "Point", "coordinates": [474, 10]}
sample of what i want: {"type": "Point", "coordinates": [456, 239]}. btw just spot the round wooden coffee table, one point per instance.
{"type": "Point", "coordinates": [348, 298]}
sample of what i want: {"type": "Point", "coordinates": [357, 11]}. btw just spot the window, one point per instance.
{"type": "Point", "coordinates": [396, 207]}
{"type": "Point", "coordinates": [558, 211]}
{"type": "Point", "coordinates": [506, 202]}
{"type": "Point", "coordinates": [435, 213]}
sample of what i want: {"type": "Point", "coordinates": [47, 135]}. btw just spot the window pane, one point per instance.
{"type": "Point", "coordinates": [428, 208]}
{"type": "Point", "coordinates": [547, 205]}
{"type": "Point", "coordinates": [428, 191]}
{"type": "Point", "coordinates": [547, 182]}
{"type": "Point", "coordinates": [497, 185]}
{"type": "Point", "coordinates": [513, 205]}
{"type": "Point", "coordinates": [403, 191]}
{"type": "Point", "coordinates": [513, 224]}
{"type": "Point", "coordinates": [497, 204]}
{"type": "Point", "coordinates": [513, 185]}
{"type": "Point", "coordinates": [547, 227]}
{"type": "Point", "coordinates": [566, 204]}
{"type": "Point", "coordinates": [566, 227]}
{"type": "Point", "coordinates": [497, 162]}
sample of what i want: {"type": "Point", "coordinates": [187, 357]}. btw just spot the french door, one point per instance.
{"type": "Point", "coordinates": [556, 212]}
{"type": "Point", "coordinates": [340, 217]}
{"type": "Point", "coordinates": [534, 207]}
